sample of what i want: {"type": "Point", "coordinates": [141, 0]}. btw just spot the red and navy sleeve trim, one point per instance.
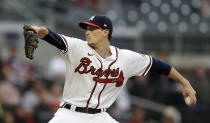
{"type": "Point", "coordinates": [148, 67]}
{"type": "Point", "coordinates": [65, 42]}
{"type": "Point", "coordinates": [56, 40]}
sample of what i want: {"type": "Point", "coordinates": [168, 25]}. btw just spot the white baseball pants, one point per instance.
{"type": "Point", "coordinates": [68, 116]}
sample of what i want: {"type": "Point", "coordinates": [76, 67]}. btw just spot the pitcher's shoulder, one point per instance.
{"type": "Point", "coordinates": [126, 52]}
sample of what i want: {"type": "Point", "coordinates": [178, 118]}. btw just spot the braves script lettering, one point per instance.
{"type": "Point", "coordinates": [84, 68]}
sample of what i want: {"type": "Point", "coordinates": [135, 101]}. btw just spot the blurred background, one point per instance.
{"type": "Point", "coordinates": [175, 31]}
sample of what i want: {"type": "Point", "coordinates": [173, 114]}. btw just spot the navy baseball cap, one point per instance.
{"type": "Point", "coordinates": [99, 21]}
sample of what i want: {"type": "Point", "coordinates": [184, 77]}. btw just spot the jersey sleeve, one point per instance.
{"type": "Point", "coordinates": [55, 40]}
{"type": "Point", "coordinates": [138, 64]}
{"type": "Point", "coordinates": [60, 41]}
{"type": "Point", "coordinates": [72, 46]}
{"type": "Point", "coordinates": [71, 43]}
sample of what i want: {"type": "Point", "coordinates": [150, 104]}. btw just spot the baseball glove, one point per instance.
{"type": "Point", "coordinates": [31, 41]}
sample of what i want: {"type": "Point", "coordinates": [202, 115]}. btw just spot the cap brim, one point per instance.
{"type": "Point", "coordinates": [85, 24]}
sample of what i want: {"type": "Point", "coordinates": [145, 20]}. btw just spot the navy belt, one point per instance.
{"type": "Point", "coordinates": [82, 109]}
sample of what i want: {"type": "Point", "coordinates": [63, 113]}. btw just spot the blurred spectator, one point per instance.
{"type": "Point", "coordinates": [30, 98]}
{"type": "Point", "coordinates": [54, 105]}
{"type": "Point", "coordinates": [43, 111]}
{"type": "Point", "coordinates": [19, 115]}
{"type": "Point", "coordinates": [8, 90]}
{"type": "Point", "coordinates": [205, 8]}
{"type": "Point", "coordinates": [56, 90]}
{"type": "Point", "coordinates": [171, 115]}
{"type": "Point", "coordinates": [138, 116]}
{"type": "Point", "coordinates": [138, 86]}
{"type": "Point", "coordinates": [56, 93]}
{"type": "Point", "coordinates": [15, 70]}
{"type": "Point", "coordinates": [57, 69]}
{"type": "Point", "coordinates": [8, 118]}
{"type": "Point", "coordinates": [202, 87]}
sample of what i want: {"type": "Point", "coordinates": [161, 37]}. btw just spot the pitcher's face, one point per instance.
{"type": "Point", "coordinates": [94, 35]}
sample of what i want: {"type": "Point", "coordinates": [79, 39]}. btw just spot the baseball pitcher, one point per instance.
{"type": "Point", "coordinates": [96, 72]}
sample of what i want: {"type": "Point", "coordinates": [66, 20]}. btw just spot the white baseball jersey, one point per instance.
{"type": "Point", "coordinates": [95, 82]}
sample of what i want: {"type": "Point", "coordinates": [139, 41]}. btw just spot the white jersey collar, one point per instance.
{"type": "Point", "coordinates": [112, 57]}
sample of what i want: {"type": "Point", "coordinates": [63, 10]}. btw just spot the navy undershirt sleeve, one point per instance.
{"type": "Point", "coordinates": [55, 39]}
{"type": "Point", "coordinates": [159, 67]}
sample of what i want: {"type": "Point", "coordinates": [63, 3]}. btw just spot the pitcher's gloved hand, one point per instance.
{"type": "Point", "coordinates": [31, 41]}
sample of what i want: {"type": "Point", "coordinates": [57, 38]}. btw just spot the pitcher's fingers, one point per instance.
{"type": "Point", "coordinates": [34, 29]}
{"type": "Point", "coordinates": [194, 100]}
{"type": "Point", "coordinates": [185, 95]}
